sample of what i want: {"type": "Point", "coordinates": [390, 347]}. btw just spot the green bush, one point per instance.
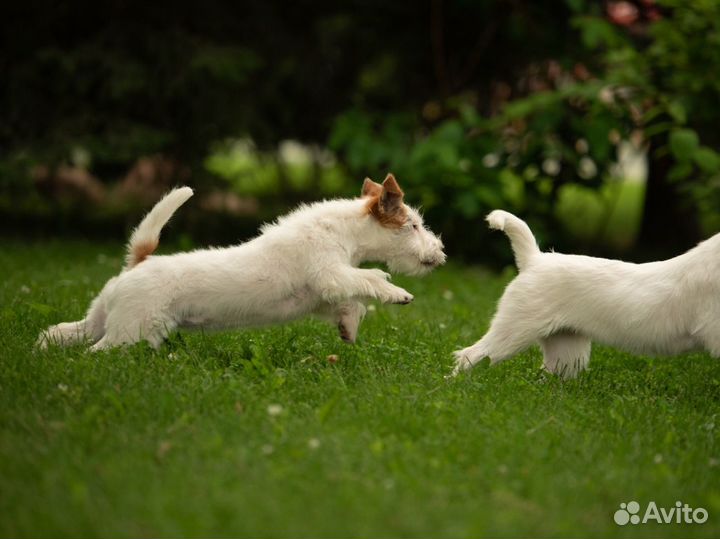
{"type": "Point", "coordinates": [654, 84]}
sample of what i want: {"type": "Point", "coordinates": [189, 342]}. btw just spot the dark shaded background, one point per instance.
{"type": "Point", "coordinates": [473, 105]}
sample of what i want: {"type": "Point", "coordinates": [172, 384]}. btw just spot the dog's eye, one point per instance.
{"type": "Point", "coordinates": [415, 226]}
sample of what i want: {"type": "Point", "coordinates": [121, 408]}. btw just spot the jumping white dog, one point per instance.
{"type": "Point", "coordinates": [563, 302]}
{"type": "Point", "coordinates": [305, 263]}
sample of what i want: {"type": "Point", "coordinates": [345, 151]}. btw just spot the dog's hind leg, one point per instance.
{"type": "Point", "coordinates": [95, 320]}
{"type": "Point", "coordinates": [566, 354]}
{"type": "Point", "coordinates": [63, 334]}
{"type": "Point", "coordinates": [91, 328]}
{"type": "Point", "coordinates": [153, 329]}
{"type": "Point", "coordinates": [502, 341]}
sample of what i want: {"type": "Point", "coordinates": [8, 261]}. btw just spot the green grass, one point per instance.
{"type": "Point", "coordinates": [179, 442]}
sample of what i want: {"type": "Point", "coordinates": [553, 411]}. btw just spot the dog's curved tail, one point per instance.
{"type": "Point", "coordinates": [521, 237]}
{"type": "Point", "coordinates": [146, 237]}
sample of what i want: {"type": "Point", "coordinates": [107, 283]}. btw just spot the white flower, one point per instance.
{"type": "Point", "coordinates": [448, 295]}
{"type": "Point", "coordinates": [587, 168]}
{"type": "Point", "coordinates": [294, 152]}
{"type": "Point", "coordinates": [606, 95]}
{"type": "Point", "coordinates": [490, 160]}
{"type": "Point", "coordinates": [313, 443]}
{"type": "Point", "coordinates": [551, 167]}
{"type": "Point", "coordinates": [274, 410]}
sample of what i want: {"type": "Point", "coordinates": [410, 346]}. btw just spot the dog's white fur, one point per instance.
{"type": "Point", "coordinates": [563, 302]}
{"type": "Point", "coordinates": [305, 263]}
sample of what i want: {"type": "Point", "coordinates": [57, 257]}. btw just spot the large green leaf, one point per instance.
{"type": "Point", "coordinates": [683, 143]}
{"type": "Point", "coordinates": [707, 159]}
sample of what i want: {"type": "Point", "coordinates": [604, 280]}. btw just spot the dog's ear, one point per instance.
{"type": "Point", "coordinates": [370, 188]}
{"type": "Point", "coordinates": [391, 198]}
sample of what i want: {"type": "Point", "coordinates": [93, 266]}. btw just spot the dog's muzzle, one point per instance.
{"type": "Point", "coordinates": [434, 261]}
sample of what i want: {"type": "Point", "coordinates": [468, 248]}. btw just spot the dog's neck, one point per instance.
{"type": "Point", "coordinates": [361, 245]}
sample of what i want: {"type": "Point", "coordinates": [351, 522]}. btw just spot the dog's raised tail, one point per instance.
{"type": "Point", "coordinates": [146, 237]}
{"type": "Point", "coordinates": [521, 237]}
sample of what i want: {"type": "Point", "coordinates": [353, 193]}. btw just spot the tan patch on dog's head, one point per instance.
{"type": "Point", "coordinates": [386, 202]}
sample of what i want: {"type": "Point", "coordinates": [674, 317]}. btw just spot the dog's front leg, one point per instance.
{"type": "Point", "coordinates": [344, 282]}
{"type": "Point", "coordinates": [349, 316]}
{"type": "Point", "coordinates": [346, 316]}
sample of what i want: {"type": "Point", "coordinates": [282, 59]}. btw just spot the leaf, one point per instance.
{"type": "Point", "coordinates": [535, 103]}
{"type": "Point", "coordinates": [467, 204]}
{"type": "Point", "coordinates": [680, 171]}
{"type": "Point", "coordinates": [683, 143]}
{"type": "Point", "coordinates": [707, 159]}
{"type": "Point", "coordinates": [518, 108]}
{"type": "Point", "coordinates": [576, 5]}
{"type": "Point", "coordinates": [652, 113]}
{"type": "Point", "coordinates": [596, 133]}
{"type": "Point", "coordinates": [489, 195]}
{"type": "Point", "coordinates": [596, 32]}
{"type": "Point", "coordinates": [512, 186]}
{"type": "Point", "coordinates": [677, 110]}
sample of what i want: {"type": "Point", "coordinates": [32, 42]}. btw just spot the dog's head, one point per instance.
{"type": "Point", "coordinates": [399, 237]}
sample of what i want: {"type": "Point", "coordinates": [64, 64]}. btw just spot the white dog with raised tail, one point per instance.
{"type": "Point", "coordinates": [305, 263]}
{"type": "Point", "coordinates": [563, 302]}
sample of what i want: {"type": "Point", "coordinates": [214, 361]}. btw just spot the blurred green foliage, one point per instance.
{"type": "Point", "coordinates": [474, 105]}
{"type": "Point", "coordinates": [519, 159]}
{"type": "Point", "coordinates": [294, 170]}
{"type": "Point", "coordinates": [653, 83]}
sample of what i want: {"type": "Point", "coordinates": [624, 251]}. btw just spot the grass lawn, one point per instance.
{"type": "Point", "coordinates": [255, 433]}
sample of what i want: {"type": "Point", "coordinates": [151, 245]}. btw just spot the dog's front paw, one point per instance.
{"type": "Point", "coordinates": [379, 274]}
{"type": "Point", "coordinates": [402, 297]}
